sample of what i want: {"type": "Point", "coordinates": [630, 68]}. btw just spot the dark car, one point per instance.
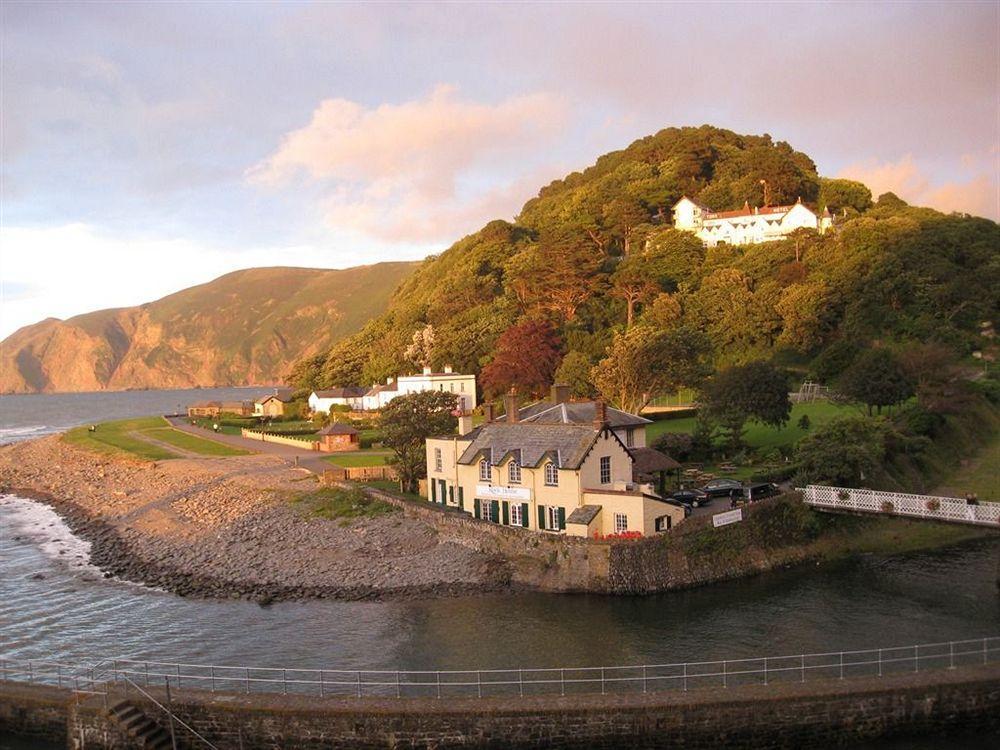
{"type": "Point", "coordinates": [760, 490]}
{"type": "Point", "coordinates": [723, 488]}
{"type": "Point", "coordinates": [692, 498]}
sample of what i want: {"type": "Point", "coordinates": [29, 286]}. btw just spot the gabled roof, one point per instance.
{"type": "Point", "coordinates": [575, 412]}
{"type": "Point", "coordinates": [689, 200]}
{"type": "Point", "coordinates": [565, 444]}
{"type": "Point", "coordinates": [381, 388]}
{"type": "Point", "coordinates": [346, 392]}
{"type": "Point", "coordinates": [649, 460]}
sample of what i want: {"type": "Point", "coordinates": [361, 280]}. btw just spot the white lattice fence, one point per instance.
{"type": "Point", "coordinates": [950, 509]}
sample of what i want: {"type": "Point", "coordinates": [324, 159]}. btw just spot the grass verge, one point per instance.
{"type": "Point", "coordinates": [124, 437]}
{"type": "Point", "coordinates": [358, 458]}
{"type": "Point", "coordinates": [346, 504]}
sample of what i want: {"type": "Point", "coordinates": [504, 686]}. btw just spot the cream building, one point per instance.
{"type": "Point", "coordinates": [747, 226]}
{"type": "Point", "coordinates": [549, 474]}
{"type": "Point", "coordinates": [321, 401]}
{"type": "Point", "coordinates": [463, 386]}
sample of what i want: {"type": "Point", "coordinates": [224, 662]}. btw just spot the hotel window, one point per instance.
{"type": "Point", "coordinates": [461, 387]}
{"type": "Point", "coordinates": [553, 517]}
{"type": "Point", "coordinates": [621, 523]}
{"type": "Point", "coordinates": [437, 460]}
{"type": "Point", "coordinates": [484, 470]}
{"type": "Point", "coordinates": [630, 437]}
{"type": "Point", "coordinates": [516, 517]}
{"type": "Point", "coordinates": [486, 510]}
{"type": "Point", "coordinates": [605, 469]}
{"type": "Point", "coordinates": [514, 472]}
{"type": "Point", "coordinates": [551, 475]}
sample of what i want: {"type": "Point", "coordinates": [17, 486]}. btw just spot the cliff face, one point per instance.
{"type": "Point", "coordinates": [243, 328]}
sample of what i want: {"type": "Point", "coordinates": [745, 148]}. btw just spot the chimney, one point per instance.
{"type": "Point", "coordinates": [447, 369]}
{"type": "Point", "coordinates": [600, 415]}
{"type": "Point", "coordinates": [465, 424]}
{"type": "Point", "coordinates": [510, 408]}
{"type": "Point", "coordinates": [559, 394]}
{"type": "Point", "coordinates": [427, 370]}
{"type": "Point", "coordinates": [488, 412]}
{"type": "Point", "coordinates": [388, 380]}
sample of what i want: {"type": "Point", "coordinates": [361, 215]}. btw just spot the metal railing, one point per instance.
{"type": "Point", "coordinates": [526, 681]}
{"type": "Point", "coordinates": [948, 509]}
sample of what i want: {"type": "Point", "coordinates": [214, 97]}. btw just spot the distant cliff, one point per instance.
{"type": "Point", "coordinates": [246, 327]}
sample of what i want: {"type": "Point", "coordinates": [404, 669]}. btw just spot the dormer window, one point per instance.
{"type": "Point", "coordinates": [484, 470]}
{"type": "Point", "coordinates": [551, 475]}
{"type": "Point", "coordinates": [514, 472]}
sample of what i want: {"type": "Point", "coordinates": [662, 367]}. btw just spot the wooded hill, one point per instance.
{"type": "Point", "coordinates": [594, 254]}
{"type": "Point", "coordinates": [244, 328]}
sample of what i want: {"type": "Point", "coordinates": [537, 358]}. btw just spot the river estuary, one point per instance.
{"type": "Point", "coordinates": [53, 605]}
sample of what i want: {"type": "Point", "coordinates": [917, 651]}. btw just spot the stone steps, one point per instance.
{"type": "Point", "coordinates": [133, 721]}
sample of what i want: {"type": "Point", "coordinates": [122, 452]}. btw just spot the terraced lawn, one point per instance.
{"type": "Point", "coordinates": [358, 458]}
{"type": "Point", "coordinates": [126, 436]}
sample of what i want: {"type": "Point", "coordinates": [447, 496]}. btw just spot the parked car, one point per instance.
{"type": "Point", "coordinates": [723, 488]}
{"type": "Point", "coordinates": [692, 498]}
{"type": "Point", "coordinates": [760, 490]}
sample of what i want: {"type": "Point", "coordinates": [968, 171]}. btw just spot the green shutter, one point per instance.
{"type": "Point", "coordinates": [524, 515]}
{"type": "Point", "coordinates": [475, 508]}
{"type": "Point", "coordinates": [443, 492]}
{"type": "Point", "coordinates": [434, 494]}
{"type": "Point", "coordinates": [461, 498]}
{"type": "Point", "coordinates": [562, 519]}
{"type": "Point", "coordinates": [451, 495]}
{"type": "Point", "coordinates": [495, 511]}
{"type": "Point", "coordinates": [541, 517]}
{"type": "Point", "coordinates": [506, 513]}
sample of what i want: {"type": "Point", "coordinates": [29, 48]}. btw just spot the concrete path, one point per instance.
{"type": "Point", "coordinates": [303, 458]}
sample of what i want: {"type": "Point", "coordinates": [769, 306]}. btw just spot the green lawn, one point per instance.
{"type": "Point", "coordinates": [762, 436]}
{"type": "Point", "coordinates": [125, 436]}
{"type": "Point", "coordinates": [358, 458]}
{"type": "Point", "coordinates": [391, 487]}
{"type": "Point", "coordinates": [981, 476]}
{"type": "Point", "coordinates": [345, 504]}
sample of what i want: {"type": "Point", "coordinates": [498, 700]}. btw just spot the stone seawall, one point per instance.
{"type": "Point", "coordinates": [792, 715]}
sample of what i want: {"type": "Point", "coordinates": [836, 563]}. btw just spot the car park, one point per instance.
{"type": "Point", "coordinates": [722, 487]}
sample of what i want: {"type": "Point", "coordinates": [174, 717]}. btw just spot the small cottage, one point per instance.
{"type": "Point", "coordinates": [337, 437]}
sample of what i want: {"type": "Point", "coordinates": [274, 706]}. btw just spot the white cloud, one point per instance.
{"type": "Point", "coordinates": [977, 194]}
{"type": "Point", "coordinates": [76, 268]}
{"type": "Point", "coordinates": [424, 170]}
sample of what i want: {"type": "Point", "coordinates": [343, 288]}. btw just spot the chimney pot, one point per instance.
{"type": "Point", "coordinates": [427, 370]}
{"type": "Point", "coordinates": [465, 424]}
{"type": "Point", "coordinates": [488, 412]}
{"type": "Point", "coordinates": [388, 381]}
{"type": "Point", "coordinates": [600, 415]}
{"type": "Point", "coordinates": [447, 369]}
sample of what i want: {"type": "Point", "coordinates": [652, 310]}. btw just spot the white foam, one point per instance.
{"type": "Point", "coordinates": [25, 432]}
{"type": "Point", "coordinates": [41, 524]}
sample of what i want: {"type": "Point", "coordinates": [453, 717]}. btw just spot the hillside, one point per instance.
{"type": "Point", "coordinates": [596, 249]}
{"type": "Point", "coordinates": [246, 327]}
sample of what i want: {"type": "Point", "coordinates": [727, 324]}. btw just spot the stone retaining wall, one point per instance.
{"type": "Point", "coordinates": [794, 715]}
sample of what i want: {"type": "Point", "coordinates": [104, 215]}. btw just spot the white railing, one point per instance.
{"type": "Point", "coordinates": [949, 509]}
{"type": "Point", "coordinates": [724, 673]}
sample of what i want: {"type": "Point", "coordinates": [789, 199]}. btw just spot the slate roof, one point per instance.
{"type": "Point", "coordinates": [347, 392]}
{"type": "Point", "coordinates": [565, 444]}
{"type": "Point", "coordinates": [649, 460]}
{"type": "Point", "coordinates": [584, 514]}
{"type": "Point", "coordinates": [376, 389]}
{"type": "Point", "coordinates": [575, 412]}
{"type": "Point", "coordinates": [337, 428]}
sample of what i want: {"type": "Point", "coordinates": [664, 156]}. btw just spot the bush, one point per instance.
{"type": "Point", "coordinates": [915, 419]}
{"type": "Point", "coordinates": [804, 422]}
{"type": "Point", "coordinates": [888, 507]}
{"type": "Point", "coordinates": [778, 475]}
{"type": "Point", "coordinates": [782, 523]}
{"type": "Point", "coordinates": [677, 445]}
{"type": "Point", "coordinates": [933, 505]}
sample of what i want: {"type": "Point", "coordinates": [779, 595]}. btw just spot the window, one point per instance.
{"type": "Point", "coordinates": [621, 523]}
{"type": "Point", "coordinates": [630, 437]}
{"type": "Point", "coordinates": [437, 459]}
{"type": "Point", "coordinates": [552, 518]}
{"type": "Point", "coordinates": [605, 469]}
{"type": "Point", "coordinates": [461, 387]}
{"type": "Point", "coordinates": [516, 516]}
{"type": "Point", "coordinates": [551, 475]}
{"type": "Point", "coordinates": [486, 510]}
{"type": "Point", "coordinates": [514, 472]}
{"type": "Point", "coordinates": [484, 470]}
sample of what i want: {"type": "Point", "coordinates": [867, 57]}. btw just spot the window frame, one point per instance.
{"type": "Point", "coordinates": [485, 471]}
{"type": "Point", "coordinates": [516, 518]}
{"type": "Point", "coordinates": [552, 518]}
{"type": "Point", "coordinates": [513, 472]}
{"type": "Point", "coordinates": [438, 460]}
{"type": "Point", "coordinates": [621, 523]}
{"type": "Point", "coordinates": [551, 474]}
{"type": "Point", "coordinates": [605, 469]}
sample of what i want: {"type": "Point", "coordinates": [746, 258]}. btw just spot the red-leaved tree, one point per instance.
{"type": "Point", "coordinates": [525, 360]}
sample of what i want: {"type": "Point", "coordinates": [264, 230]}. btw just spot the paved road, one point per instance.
{"type": "Point", "coordinates": [303, 458]}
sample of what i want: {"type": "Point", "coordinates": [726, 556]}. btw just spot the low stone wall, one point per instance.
{"type": "Point", "coordinates": [793, 715]}
{"type": "Point", "coordinates": [34, 711]}
{"type": "Point", "coordinates": [270, 437]}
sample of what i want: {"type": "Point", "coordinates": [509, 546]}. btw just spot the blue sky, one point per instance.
{"type": "Point", "coordinates": [147, 147]}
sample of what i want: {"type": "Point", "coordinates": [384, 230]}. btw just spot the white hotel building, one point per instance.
{"type": "Point", "coordinates": [747, 226]}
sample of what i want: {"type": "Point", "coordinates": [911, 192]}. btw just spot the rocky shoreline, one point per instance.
{"type": "Point", "coordinates": [210, 529]}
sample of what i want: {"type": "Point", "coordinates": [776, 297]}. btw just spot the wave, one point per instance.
{"type": "Point", "coordinates": [44, 527]}
{"type": "Point", "coordinates": [25, 432]}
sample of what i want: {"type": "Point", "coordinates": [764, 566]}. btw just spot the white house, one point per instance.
{"type": "Point", "coordinates": [379, 395]}
{"type": "Point", "coordinates": [321, 401]}
{"type": "Point", "coordinates": [463, 386]}
{"type": "Point", "coordinates": [747, 226]}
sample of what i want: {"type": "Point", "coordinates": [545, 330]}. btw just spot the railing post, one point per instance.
{"type": "Point", "coordinates": [644, 678]}
{"type": "Point", "coordinates": [685, 677]}
{"type": "Point", "coordinates": [602, 680]}
{"type": "Point", "coordinates": [880, 662]}
{"type": "Point", "coordinates": [322, 686]}
{"type": "Point", "coordinates": [765, 670]}
{"type": "Point", "coordinates": [170, 714]}
{"type": "Point", "coordinates": [248, 680]}
{"type": "Point", "coordinates": [284, 681]}
{"type": "Point", "coordinates": [916, 658]}
{"type": "Point", "coordinates": [520, 682]}
{"type": "Point", "coordinates": [359, 683]}
{"type": "Point", "coordinates": [725, 676]}
{"type": "Point", "coordinates": [439, 682]}
{"type": "Point", "coordinates": [399, 688]}
{"type": "Point", "coordinates": [984, 650]}
{"type": "Point", "coordinates": [178, 666]}
{"type": "Point", "coordinates": [841, 665]}
{"type": "Point", "coordinates": [562, 682]}
{"type": "Point", "coordinates": [213, 678]}
{"type": "Point", "coordinates": [951, 654]}
{"type": "Point", "coordinates": [802, 666]}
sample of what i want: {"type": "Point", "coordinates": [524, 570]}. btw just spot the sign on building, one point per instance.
{"type": "Point", "coordinates": [730, 516]}
{"type": "Point", "coordinates": [503, 493]}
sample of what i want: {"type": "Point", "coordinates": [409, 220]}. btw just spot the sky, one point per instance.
{"type": "Point", "coordinates": [149, 146]}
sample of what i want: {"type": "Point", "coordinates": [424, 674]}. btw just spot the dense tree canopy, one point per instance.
{"type": "Point", "coordinates": [406, 422]}
{"type": "Point", "coordinates": [756, 390]}
{"type": "Point", "coordinates": [527, 355]}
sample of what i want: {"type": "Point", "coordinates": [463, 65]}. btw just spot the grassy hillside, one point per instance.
{"type": "Point", "coordinates": [245, 327]}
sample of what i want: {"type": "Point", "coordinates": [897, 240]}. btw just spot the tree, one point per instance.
{"type": "Point", "coordinates": [623, 216]}
{"type": "Point", "coordinates": [836, 195]}
{"type": "Point", "coordinates": [832, 361]}
{"type": "Point", "coordinates": [525, 360]}
{"type": "Point", "coordinates": [306, 374]}
{"type": "Point", "coordinates": [406, 423]}
{"type": "Point", "coordinates": [642, 362]}
{"type": "Point", "coordinates": [876, 379]}
{"type": "Point", "coordinates": [637, 278]}
{"type": "Point", "coordinates": [757, 390]}
{"type": "Point", "coordinates": [421, 348]}
{"type": "Point", "coordinates": [575, 372]}
{"type": "Point", "coordinates": [845, 452]}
